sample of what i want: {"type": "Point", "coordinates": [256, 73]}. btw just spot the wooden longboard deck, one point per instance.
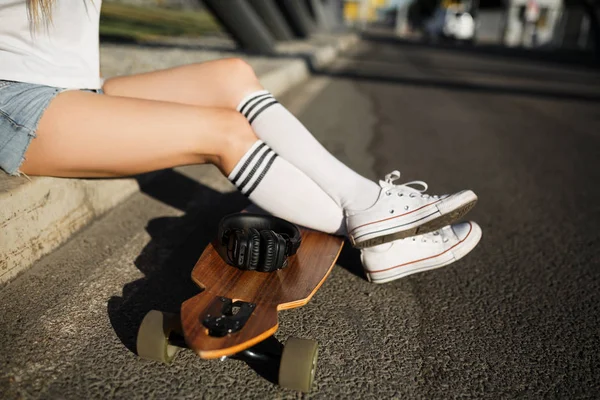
{"type": "Point", "coordinates": [287, 288]}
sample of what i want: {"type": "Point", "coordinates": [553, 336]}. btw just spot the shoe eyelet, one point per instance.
{"type": "Point", "coordinates": [412, 195]}
{"type": "Point", "coordinates": [391, 211]}
{"type": "Point", "coordinates": [406, 207]}
{"type": "Point", "coordinates": [400, 195]}
{"type": "Point", "coordinates": [388, 194]}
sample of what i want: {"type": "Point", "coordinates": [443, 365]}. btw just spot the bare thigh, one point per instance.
{"type": "Point", "coordinates": [83, 134]}
{"type": "Point", "coordinates": [220, 83]}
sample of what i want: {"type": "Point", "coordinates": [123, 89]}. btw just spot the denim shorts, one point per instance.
{"type": "Point", "coordinates": [21, 108]}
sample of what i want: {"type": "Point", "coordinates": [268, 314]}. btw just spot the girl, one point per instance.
{"type": "Point", "coordinates": [59, 118]}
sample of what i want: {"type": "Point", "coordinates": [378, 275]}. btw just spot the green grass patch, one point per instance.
{"type": "Point", "coordinates": [127, 22]}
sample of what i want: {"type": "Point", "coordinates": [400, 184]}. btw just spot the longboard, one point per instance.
{"type": "Point", "coordinates": [237, 310]}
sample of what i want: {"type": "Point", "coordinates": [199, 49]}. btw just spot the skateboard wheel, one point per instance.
{"type": "Point", "coordinates": [153, 336]}
{"type": "Point", "coordinates": [298, 364]}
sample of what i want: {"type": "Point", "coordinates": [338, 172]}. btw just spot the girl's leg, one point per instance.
{"type": "Point", "coordinates": [83, 134]}
{"type": "Point", "coordinates": [225, 83]}
{"type": "Point", "coordinates": [220, 83]}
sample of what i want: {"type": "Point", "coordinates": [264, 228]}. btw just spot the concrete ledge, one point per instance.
{"type": "Point", "coordinates": [38, 215]}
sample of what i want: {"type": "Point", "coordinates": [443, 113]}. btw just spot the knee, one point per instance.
{"type": "Point", "coordinates": [241, 78]}
{"type": "Point", "coordinates": [240, 71]}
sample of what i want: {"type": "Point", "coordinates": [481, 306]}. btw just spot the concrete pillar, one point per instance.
{"type": "Point", "coordinates": [273, 19]}
{"type": "Point", "coordinates": [298, 17]}
{"type": "Point", "coordinates": [319, 15]}
{"type": "Point", "coordinates": [243, 24]}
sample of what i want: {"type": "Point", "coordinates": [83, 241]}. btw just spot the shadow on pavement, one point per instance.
{"type": "Point", "coordinates": [565, 57]}
{"type": "Point", "coordinates": [457, 74]}
{"type": "Point", "coordinates": [174, 247]}
{"type": "Point", "coordinates": [454, 85]}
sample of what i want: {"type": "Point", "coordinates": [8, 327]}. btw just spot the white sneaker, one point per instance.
{"type": "Point", "coordinates": [404, 257]}
{"type": "Point", "coordinates": [402, 211]}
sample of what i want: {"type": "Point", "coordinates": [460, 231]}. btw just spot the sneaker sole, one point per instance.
{"type": "Point", "coordinates": [447, 217]}
{"type": "Point", "coordinates": [457, 252]}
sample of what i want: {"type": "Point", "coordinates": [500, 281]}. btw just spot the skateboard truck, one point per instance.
{"type": "Point", "coordinates": [224, 316]}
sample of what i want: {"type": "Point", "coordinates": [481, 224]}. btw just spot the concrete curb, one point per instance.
{"type": "Point", "coordinates": [39, 215]}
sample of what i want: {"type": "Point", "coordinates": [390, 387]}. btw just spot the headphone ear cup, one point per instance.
{"type": "Point", "coordinates": [280, 260]}
{"type": "Point", "coordinates": [253, 249]}
{"type": "Point", "coordinates": [235, 241]}
{"type": "Point", "coordinates": [270, 250]}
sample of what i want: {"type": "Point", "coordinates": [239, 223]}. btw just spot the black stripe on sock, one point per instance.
{"type": "Point", "coordinates": [262, 109]}
{"type": "Point", "coordinates": [262, 175]}
{"type": "Point", "coordinates": [252, 99]}
{"type": "Point", "coordinates": [254, 169]}
{"type": "Point", "coordinates": [247, 162]}
{"type": "Point", "coordinates": [257, 104]}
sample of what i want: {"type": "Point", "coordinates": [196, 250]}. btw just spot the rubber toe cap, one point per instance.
{"type": "Point", "coordinates": [464, 229]}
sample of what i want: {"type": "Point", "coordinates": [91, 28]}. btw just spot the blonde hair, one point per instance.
{"type": "Point", "coordinates": [40, 11]}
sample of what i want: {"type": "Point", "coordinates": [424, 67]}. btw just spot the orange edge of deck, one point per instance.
{"type": "Point", "coordinates": [300, 303]}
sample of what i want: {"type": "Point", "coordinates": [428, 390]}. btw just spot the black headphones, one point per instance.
{"type": "Point", "coordinates": [257, 242]}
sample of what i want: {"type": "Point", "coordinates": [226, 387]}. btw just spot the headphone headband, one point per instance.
{"type": "Point", "coordinates": [259, 222]}
{"type": "Point", "coordinates": [288, 233]}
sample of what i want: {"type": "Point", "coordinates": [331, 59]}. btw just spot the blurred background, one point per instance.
{"type": "Point", "coordinates": [148, 19]}
{"type": "Point", "coordinates": [543, 24]}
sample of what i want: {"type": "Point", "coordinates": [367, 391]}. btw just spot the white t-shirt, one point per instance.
{"type": "Point", "coordinates": [63, 53]}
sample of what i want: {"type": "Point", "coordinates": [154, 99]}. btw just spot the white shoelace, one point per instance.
{"type": "Point", "coordinates": [406, 187]}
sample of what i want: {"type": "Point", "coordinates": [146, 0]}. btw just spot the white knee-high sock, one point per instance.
{"type": "Point", "coordinates": [283, 190]}
{"type": "Point", "coordinates": [275, 125]}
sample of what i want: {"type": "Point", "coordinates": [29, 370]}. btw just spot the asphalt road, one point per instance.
{"type": "Point", "coordinates": [519, 317]}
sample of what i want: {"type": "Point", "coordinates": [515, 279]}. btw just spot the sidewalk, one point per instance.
{"type": "Point", "coordinates": [38, 215]}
